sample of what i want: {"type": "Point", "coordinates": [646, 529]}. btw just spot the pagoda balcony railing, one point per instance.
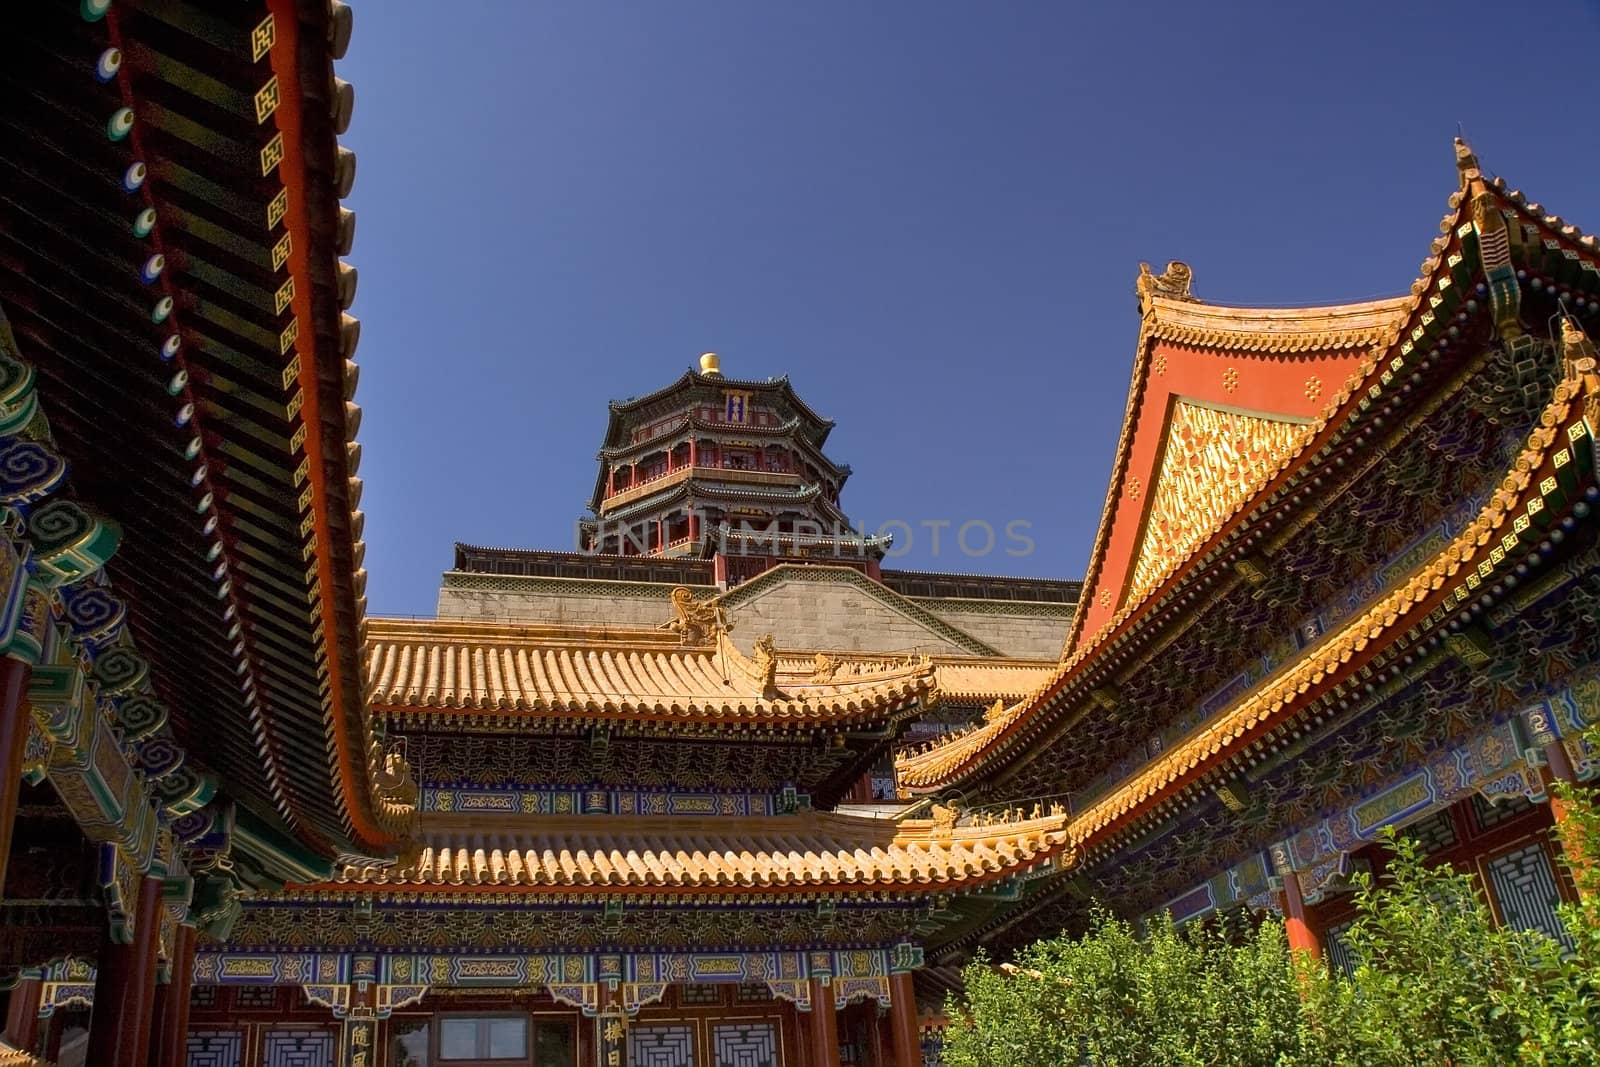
{"type": "Point", "coordinates": [645, 487]}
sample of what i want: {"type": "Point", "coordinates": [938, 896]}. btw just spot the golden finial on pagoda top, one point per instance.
{"type": "Point", "coordinates": [710, 365]}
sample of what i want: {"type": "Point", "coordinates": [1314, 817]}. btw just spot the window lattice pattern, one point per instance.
{"type": "Point", "coordinates": [660, 1046]}
{"type": "Point", "coordinates": [203, 996]}
{"type": "Point", "coordinates": [700, 993]}
{"type": "Point", "coordinates": [215, 1048]}
{"type": "Point", "coordinates": [1524, 885]}
{"type": "Point", "coordinates": [745, 1045]}
{"type": "Point", "coordinates": [297, 1048]}
{"type": "Point", "coordinates": [754, 993]}
{"type": "Point", "coordinates": [1437, 831]}
{"type": "Point", "coordinates": [256, 998]}
{"type": "Point", "coordinates": [1492, 813]}
{"type": "Point", "coordinates": [1339, 949]}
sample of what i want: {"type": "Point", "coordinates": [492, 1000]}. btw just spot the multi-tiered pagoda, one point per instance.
{"type": "Point", "coordinates": [714, 468]}
{"type": "Point", "coordinates": [722, 487]}
{"type": "Point", "coordinates": [627, 805]}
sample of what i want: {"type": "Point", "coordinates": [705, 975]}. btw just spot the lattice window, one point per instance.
{"type": "Point", "coordinates": [215, 1048]}
{"type": "Point", "coordinates": [203, 996]}
{"type": "Point", "coordinates": [660, 1046]}
{"type": "Point", "coordinates": [700, 993]}
{"type": "Point", "coordinates": [297, 1048]}
{"type": "Point", "coordinates": [745, 1045]}
{"type": "Point", "coordinates": [1489, 813]}
{"type": "Point", "coordinates": [754, 992]}
{"type": "Point", "coordinates": [1339, 953]}
{"type": "Point", "coordinates": [1435, 832]}
{"type": "Point", "coordinates": [1524, 886]}
{"type": "Point", "coordinates": [256, 998]}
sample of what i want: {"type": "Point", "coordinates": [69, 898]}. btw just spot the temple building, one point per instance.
{"type": "Point", "coordinates": [714, 786]}
{"type": "Point", "coordinates": [721, 487]}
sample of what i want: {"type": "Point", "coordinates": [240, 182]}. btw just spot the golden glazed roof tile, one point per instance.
{"type": "Point", "coordinates": [806, 851]}
{"type": "Point", "coordinates": [476, 667]}
{"type": "Point", "coordinates": [1307, 329]}
{"type": "Point", "coordinates": [1404, 605]}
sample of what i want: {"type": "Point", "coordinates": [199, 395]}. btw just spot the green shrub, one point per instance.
{"type": "Point", "coordinates": [1436, 981]}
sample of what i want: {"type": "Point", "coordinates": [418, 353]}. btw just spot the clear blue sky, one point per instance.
{"type": "Point", "coordinates": [928, 214]}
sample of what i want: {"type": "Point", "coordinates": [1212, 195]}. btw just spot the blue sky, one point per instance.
{"type": "Point", "coordinates": [928, 214]}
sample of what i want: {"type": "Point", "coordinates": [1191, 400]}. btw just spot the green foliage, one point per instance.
{"type": "Point", "coordinates": [1436, 981]}
{"type": "Point", "coordinates": [1181, 996]}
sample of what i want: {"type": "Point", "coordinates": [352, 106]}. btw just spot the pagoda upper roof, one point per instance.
{"type": "Point", "coordinates": [815, 425]}
{"type": "Point", "coordinates": [1202, 445]}
{"type": "Point", "coordinates": [806, 429]}
{"type": "Point", "coordinates": [806, 851]}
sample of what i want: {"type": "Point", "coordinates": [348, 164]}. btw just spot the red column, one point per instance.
{"type": "Point", "coordinates": [119, 1029]}
{"type": "Point", "coordinates": [611, 480]}
{"type": "Point", "coordinates": [694, 456]}
{"type": "Point", "coordinates": [587, 1052]}
{"type": "Point", "coordinates": [1558, 768]}
{"type": "Point", "coordinates": [22, 1015]}
{"type": "Point", "coordinates": [903, 1020]}
{"type": "Point", "coordinates": [171, 1023]}
{"type": "Point", "coordinates": [14, 716]}
{"type": "Point", "coordinates": [1303, 937]}
{"type": "Point", "coordinates": [824, 1036]}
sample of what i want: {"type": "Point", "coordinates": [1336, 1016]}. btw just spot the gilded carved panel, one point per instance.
{"type": "Point", "coordinates": [1213, 460]}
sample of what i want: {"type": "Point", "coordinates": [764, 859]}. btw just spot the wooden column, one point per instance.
{"type": "Point", "coordinates": [14, 716]}
{"type": "Point", "coordinates": [1303, 937]}
{"type": "Point", "coordinates": [903, 1020]}
{"type": "Point", "coordinates": [586, 1040]}
{"type": "Point", "coordinates": [358, 1029]}
{"type": "Point", "coordinates": [119, 1029]}
{"type": "Point", "coordinates": [1558, 768]}
{"type": "Point", "coordinates": [824, 1038]}
{"type": "Point", "coordinates": [22, 1015]}
{"type": "Point", "coordinates": [171, 1015]}
{"type": "Point", "coordinates": [611, 1030]}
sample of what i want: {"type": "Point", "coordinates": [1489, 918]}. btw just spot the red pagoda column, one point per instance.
{"type": "Point", "coordinates": [824, 1036]}
{"type": "Point", "coordinates": [1558, 768]}
{"type": "Point", "coordinates": [171, 1023]}
{"type": "Point", "coordinates": [694, 456]}
{"type": "Point", "coordinates": [611, 480]}
{"type": "Point", "coordinates": [14, 715]}
{"type": "Point", "coordinates": [903, 1020]}
{"type": "Point", "coordinates": [119, 1029]}
{"type": "Point", "coordinates": [22, 1015]}
{"type": "Point", "coordinates": [1303, 936]}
